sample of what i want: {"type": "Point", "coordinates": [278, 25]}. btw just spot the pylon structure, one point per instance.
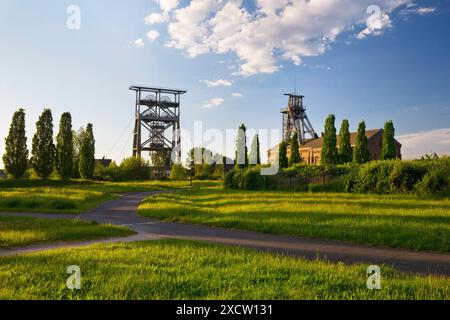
{"type": "Point", "coordinates": [157, 113]}
{"type": "Point", "coordinates": [295, 119]}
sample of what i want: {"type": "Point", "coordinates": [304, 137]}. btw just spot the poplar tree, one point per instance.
{"type": "Point", "coordinates": [295, 155]}
{"type": "Point", "coordinates": [43, 149]}
{"type": "Point", "coordinates": [241, 148]}
{"type": "Point", "coordinates": [389, 149]}
{"type": "Point", "coordinates": [87, 153]}
{"type": "Point", "coordinates": [255, 155]}
{"type": "Point", "coordinates": [329, 148]}
{"type": "Point", "coordinates": [345, 147]}
{"type": "Point", "coordinates": [64, 147]}
{"type": "Point", "coordinates": [15, 158]}
{"type": "Point", "coordinates": [282, 155]}
{"type": "Point", "coordinates": [361, 152]}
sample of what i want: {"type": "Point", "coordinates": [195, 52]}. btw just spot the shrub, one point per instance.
{"type": "Point", "coordinates": [230, 180]}
{"type": "Point", "coordinates": [435, 183]}
{"type": "Point", "coordinates": [253, 180]}
{"type": "Point", "coordinates": [333, 186]}
{"type": "Point", "coordinates": [373, 177]}
{"type": "Point", "coordinates": [178, 172]}
{"type": "Point", "coordinates": [406, 174]}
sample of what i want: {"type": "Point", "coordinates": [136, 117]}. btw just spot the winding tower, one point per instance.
{"type": "Point", "coordinates": [295, 119]}
{"type": "Point", "coordinates": [157, 125]}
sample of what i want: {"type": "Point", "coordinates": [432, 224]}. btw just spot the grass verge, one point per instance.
{"type": "Point", "coordinates": [23, 231]}
{"type": "Point", "coordinates": [387, 220]}
{"type": "Point", "coordinates": [172, 269]}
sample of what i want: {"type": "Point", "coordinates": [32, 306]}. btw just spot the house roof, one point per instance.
{"type": "Point", "coordinates": [318, 142]}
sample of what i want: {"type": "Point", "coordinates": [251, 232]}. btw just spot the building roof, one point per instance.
{"type": "Point", "coordinates": [318, 142]}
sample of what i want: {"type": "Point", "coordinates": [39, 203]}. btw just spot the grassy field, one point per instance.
{"type": "Point", "coordinates": [68, 197]}
{"type": "Point", "coordinates": [388, 220]}
{"type": "Point", "coordinates": [172, 269]}
{"type": "Point", "coordinates": [23, 231]}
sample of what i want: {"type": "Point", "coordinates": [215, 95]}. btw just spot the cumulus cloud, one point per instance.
{"type": "Point", "coordinates": [155, 18]}
{"type": "Point", "coordinates": [217, 83]}
{"type": "Point", "coordinates": [236, 94]}
{"type": "Point", "coordinates": [152, 35]}
{"type": "Point", "coordinates": [274, 30]}
{"type": "Point", "coordinates": [418, 144]}
{"type": "Point", "coordinates": [138, 43]}
{"type": "Point", "coordinates": [412, 10]}
{"type": "Point", "coordinates": [213, 103]}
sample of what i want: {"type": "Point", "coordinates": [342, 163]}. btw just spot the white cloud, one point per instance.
{"type": "Point", "coordinates": [217, 83]}
{"type": "Point", "coordinates": [155, 18]}
{"type": "Point", "coordinates": [138, 43]}
{"type": "Point", "coordinates": [236, 94]}
{"type": "Point", "coordinates": [276, 30]}
{"type": "Point", "coordinates": [418, 144]}
{"type": "Point", "coordinates": [167, 5]}
{"type": "Point", "coordinates": [152, 35]}
{"type": "Point", "coordinates": [213, 103]}
{"type": "Point", "coordinates": [426, 10]}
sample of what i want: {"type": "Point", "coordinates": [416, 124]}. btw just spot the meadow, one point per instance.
{"type": "Point", "coordinates": [75, 196]}
{"type": "Point", "coordinates": [172, 269]}
{"type": "Point", "coordinates": [405, 221]}
{"type": "Point", "coordinates": [23, 231]}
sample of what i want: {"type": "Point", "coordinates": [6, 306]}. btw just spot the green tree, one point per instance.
{"type": "Point", "coordinates": [255, 155]}
{"type": "Point", "coordinates": [43, 150]}
{"type": "Point", "coordinates": [87, 153]}
{"type": "Point", "coordinates": [64, 147]}
{"type": "Point", "coordinates": [241, 160]}
{"type": "Point", "coordinates": [361, 152]}
{"type": "Point", "coordinates": [15, 158]}
{"type": "Point", "coordinates": [77, 139]}
{"type": "Point", "coordinates": [329, 147]}
{"type": "Point", "coordinates": [389, 149]}
{"type": "Point", "coordinates": [282, 155]}
{"type": "Point", "coordinates": [345, 147]}
{"type": "Point", "coordinates": [295, 155]}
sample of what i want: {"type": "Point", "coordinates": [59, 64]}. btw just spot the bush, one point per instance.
{"type": "Point", "coordinates": [178, 172]}
{"type": "Point", "coordinates": [406, 174]}
{"type": "Point", "coordinates": [333, 186]}
{"type": "Point", "coordinates": [230, 180]}
{"type": "Point", "coordinates": [435, 183]}
{"type": "Point", "coordinates": [253, 180]}
{"type": "Point", "coordinates": [373, 177]}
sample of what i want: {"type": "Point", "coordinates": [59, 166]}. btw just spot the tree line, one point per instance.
{"type": "Point", "coordinates": [73, 155]}
{"type": "Point", "coordinates": [331, 153]}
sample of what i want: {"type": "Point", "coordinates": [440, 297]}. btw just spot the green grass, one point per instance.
{"type": "Point", "coordinates": [387, 220]}
{"type": "Point", "coordinates": [23, 231]}
{"type": "Point", "coordinates": [74, 196]}
{"type": "Point", "coordinates": [173, 269]}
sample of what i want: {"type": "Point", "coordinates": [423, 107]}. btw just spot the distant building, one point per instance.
{"type": "Point", "coordinates": [311, 150]}
{"type": "Point", "coordinates": [104, 162]}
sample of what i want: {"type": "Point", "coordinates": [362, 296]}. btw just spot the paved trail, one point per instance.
{"type": "Point", "coordinates": [122, 211]}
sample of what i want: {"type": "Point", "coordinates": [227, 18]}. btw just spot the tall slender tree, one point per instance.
{"type": "Point", "coordinates": [295, 154]}
{"type": "Point", "coordinates": [87, 153]}
{"type": "Point", "coordinates": [345, 147]}
{"type": "Point", "coordinates": [329, 148]}
{"type": "Point", "coordinates": [64, 147]}
{"type": "Point", "coordinates": [361, 152]}
{"type": "Point", "coordinates": [282, 155]}
{"type": "Point", "coordinates": [241, 148]}
{"type": "Point", "coordinates": [255, 156]}
{"type": "Point", "coordinates": [389, 149]}
{"type": "Point", "coordinates": [43, 150]}
{"type": "Point", "coordinates": [77, 140]}
{"type": "Point", "coordinates": [15, 158]}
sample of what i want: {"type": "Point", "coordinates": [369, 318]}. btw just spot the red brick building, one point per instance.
{"type": "Point", "coordinates": [311, 150]}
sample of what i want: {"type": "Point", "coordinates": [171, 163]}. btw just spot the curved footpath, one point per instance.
{"type": "Point", "coordinates": [122, 211]}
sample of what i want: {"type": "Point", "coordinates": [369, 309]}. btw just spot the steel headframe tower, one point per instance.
{"type": "Point", "coordinates": [295, 119]}
{"type": "Point", "coordinates": [157, 111]}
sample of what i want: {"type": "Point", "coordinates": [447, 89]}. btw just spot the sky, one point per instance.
{"type": "Point", "coordinates": [372, 60]}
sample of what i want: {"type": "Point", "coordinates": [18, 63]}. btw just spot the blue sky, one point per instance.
{"type": "Point", "coordinates": [398, 68]}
